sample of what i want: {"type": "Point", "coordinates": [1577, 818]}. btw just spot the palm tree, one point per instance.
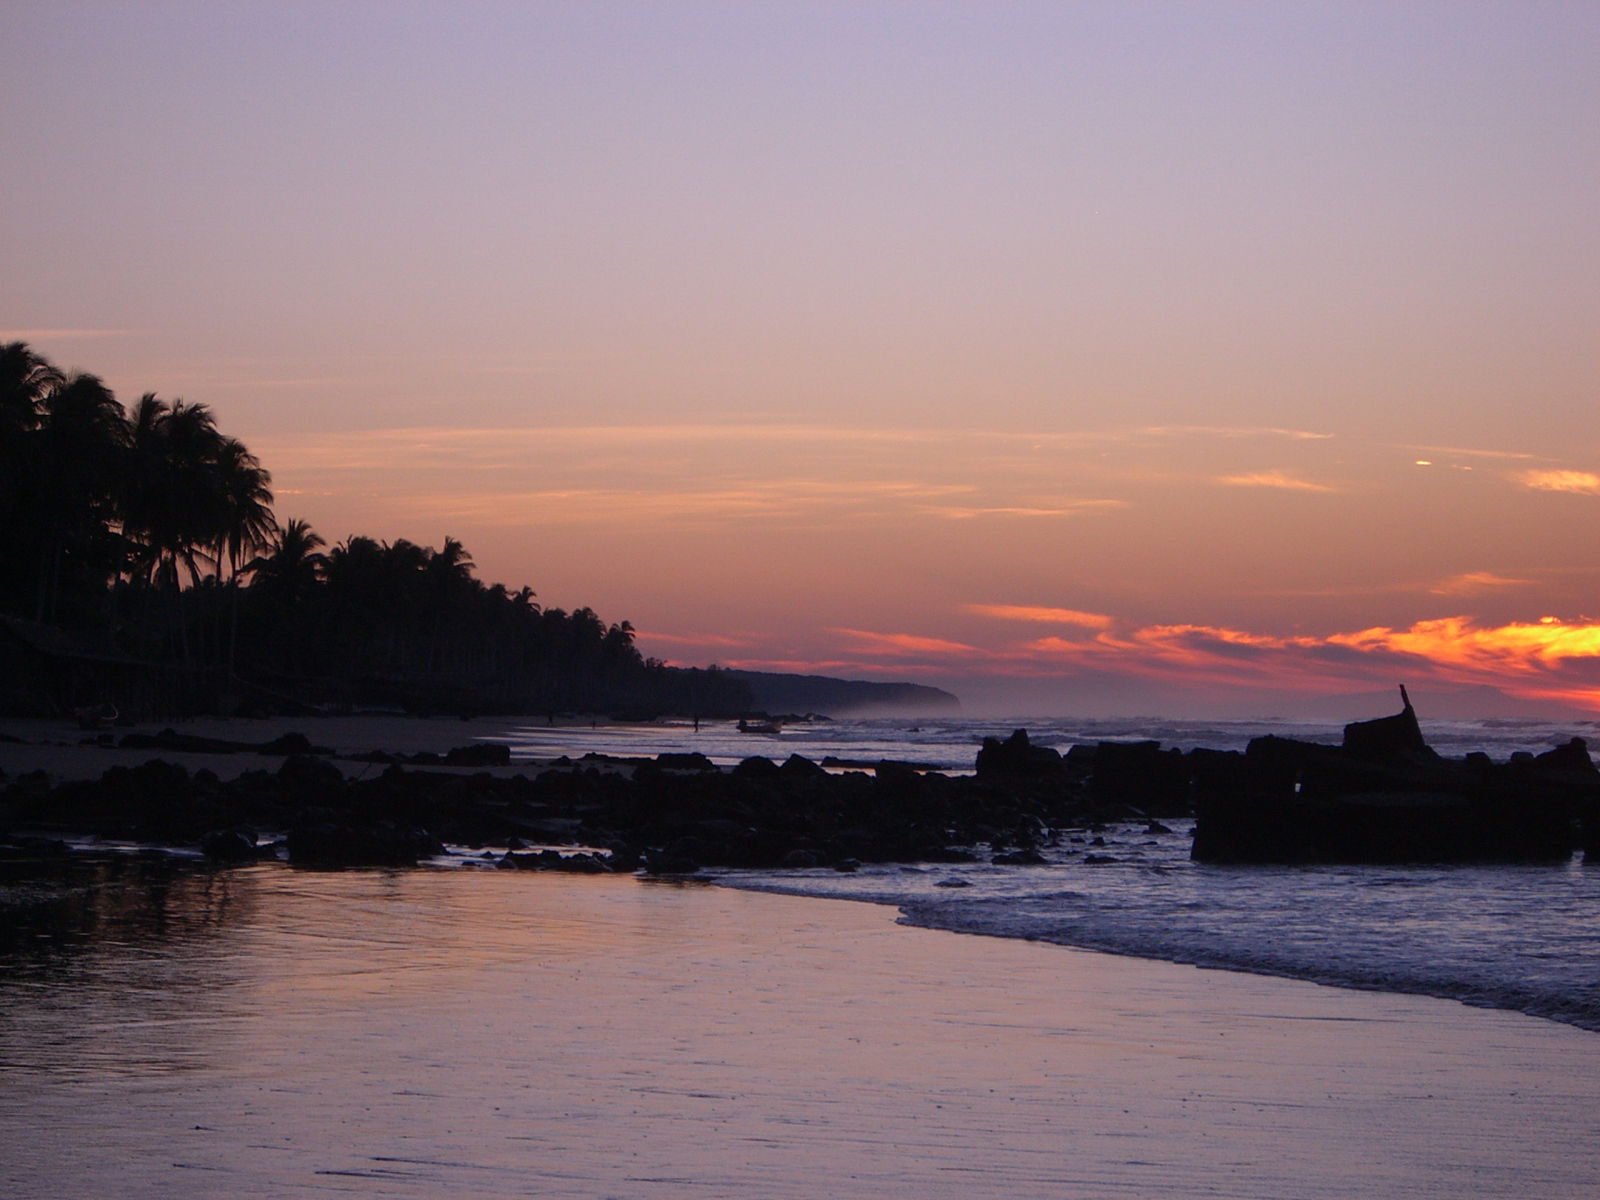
{"type": "Point", "coordinates": [293, 563]}
{"type": "Point", "coordinates": [449, 572]}
{"type": "Point", "coordinates": [174, 504]}
{"type": "Point", "coordinates": [26, 381]}
{"type": "Point", "coordinates": [247, 524]}
{"type": "Point", "coordinates": [80, 447]}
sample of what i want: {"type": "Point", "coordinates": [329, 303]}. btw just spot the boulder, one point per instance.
{"type": "Point", "coordinates": [1016, 757]}
{"type": "Point", "coordinates": [479, 754]}
{"type": "Point", "coordinates": [336, 843]}
{"type": "Point", "coordinates": [229, 846]}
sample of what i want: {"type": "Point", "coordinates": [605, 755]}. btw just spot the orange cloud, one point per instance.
{"type": "Point", "coordinates": [1040, 614]}
{"type": "Point", "coordinates": [1549, 659]}
{"type": "Point", "coordinates": [1453, 641]}
{"type": "Point", "coordinates": [1275, 479]}
{"type": "Point", "coordinates": [1582, 483]}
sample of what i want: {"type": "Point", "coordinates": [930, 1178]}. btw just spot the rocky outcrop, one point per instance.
{"type": "Point", "coordinates": [1385, 796]}
{"type": "Point", "coordinates": [1382, 796]}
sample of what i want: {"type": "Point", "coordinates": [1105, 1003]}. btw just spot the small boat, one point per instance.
{"type": "Point", "coordinates": [767, 725]}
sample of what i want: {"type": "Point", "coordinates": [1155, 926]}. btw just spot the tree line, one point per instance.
{"type": "Point", "coordinates": [148, 535]}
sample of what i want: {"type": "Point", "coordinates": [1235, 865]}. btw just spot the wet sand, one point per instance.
{"type": "Point", "coordinates": [501, 1034]}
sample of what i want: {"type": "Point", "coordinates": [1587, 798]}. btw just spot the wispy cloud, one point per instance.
{"type": "Point", "coordinates": [953, 512]}
{"type": "Point", "coordinates": [1443, 452]}
{"type": "Point", "coordinates": [62, 335]}
{"type": "Point", "coordinates": [1472, 582]}
{"type": "Point", "coordinates": [700, 640]}
{"type": "Point", "coordinates": [1040, 614]}
{"type": "Point", "coordinates": [1582, 483]}
{"type": "Point", "coordinates": [1275, 479]}
{"type": "Point", "coordinates": [1241, 431]}
{"type": "Point", "coordinates": [907, 644]}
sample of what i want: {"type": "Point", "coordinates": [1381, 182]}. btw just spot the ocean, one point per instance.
{"type": "Point", "coordinates": [1524, 938]}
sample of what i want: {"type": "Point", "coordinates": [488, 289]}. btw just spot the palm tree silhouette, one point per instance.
{"type": "Point", "coordinates": [174, 502]}
{"type": "Point", "coordinates": [80, 447]}
{"type": "Point", "coordinates": [246, 523]}
{"type": "Point", "coordinates": [26, 382]}
{"type": "Point", "coordinates": [293, 563]}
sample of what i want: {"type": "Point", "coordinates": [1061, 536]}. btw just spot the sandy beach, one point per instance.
{"type": "Point", "coordinates": [63, 751]}
{"type": "Point", "coordinates": [485, 1034]}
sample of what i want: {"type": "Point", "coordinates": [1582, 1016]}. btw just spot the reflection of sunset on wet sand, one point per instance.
{"type": "Point", "coordinates": [492, 1034]}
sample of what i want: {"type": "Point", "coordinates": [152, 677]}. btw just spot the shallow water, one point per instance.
{"type": "Point", "coordinates": [1515, 937]}
{"type": "Point", "coordinates": [952, 743]}
{"type": "Point", "coordinates": [1525, 938]}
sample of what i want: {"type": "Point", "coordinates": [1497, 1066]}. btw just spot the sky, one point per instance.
{"type": "Point", "coordinates": [1197, 358]}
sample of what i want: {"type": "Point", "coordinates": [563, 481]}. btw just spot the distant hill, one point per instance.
{"type": "Point", "coordinates": [820, 694]}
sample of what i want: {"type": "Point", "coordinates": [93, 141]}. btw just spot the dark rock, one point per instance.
{"type": "Point", "coordinates": [479, 754]}
{"type": "Point", "coordinates": [1388, 737]}
{"type": "Point", "coordinates": [690, 761]}
{"type": "Point", "coordinates": [1141, 774]}
{"type": "Point", "coordinates": [1016, 756]}
{"type": "Point", "coordinates": [796, 860]}
{"type": "Point", "coordinates": [332, 843]}
{"type": "Point", "coordinates": [229, 845]}
{"type": "Point", "coordinates": [310, 780]}
{"type": "Point", "coordinates": [797, 766]}
{"type": "Point", "coordinates": [1570, 759]}
{"type": "Point", "coordinates": [291, 743]}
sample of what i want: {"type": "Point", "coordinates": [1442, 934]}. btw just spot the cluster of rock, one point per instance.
{"type": "Point", "coordinates": [674, 813]}
{"type": "Point", "coordinates": [1381, 796]}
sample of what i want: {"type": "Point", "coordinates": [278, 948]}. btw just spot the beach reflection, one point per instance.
{"type": "Point", "coordinates": [272, 1032]}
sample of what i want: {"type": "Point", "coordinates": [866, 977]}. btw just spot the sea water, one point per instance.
{"type": "Point", "coordinates": [1525, 938]}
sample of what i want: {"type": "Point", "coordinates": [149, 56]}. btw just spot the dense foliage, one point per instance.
{"type": "Point", "coordinates": [147, 536]}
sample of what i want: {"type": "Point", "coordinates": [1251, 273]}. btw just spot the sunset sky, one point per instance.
{"type": "Point", "coordinates": [1126, 357]}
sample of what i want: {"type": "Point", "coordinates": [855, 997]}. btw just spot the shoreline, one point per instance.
{"type": "Point", "coordinates": [69, 754]}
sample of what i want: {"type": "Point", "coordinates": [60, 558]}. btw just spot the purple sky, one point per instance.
{"type": "Point", "coordinates": [874, 338]}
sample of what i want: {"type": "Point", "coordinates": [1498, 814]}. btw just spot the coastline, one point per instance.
{"type": "Point", "coordinates": [347, 744]}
